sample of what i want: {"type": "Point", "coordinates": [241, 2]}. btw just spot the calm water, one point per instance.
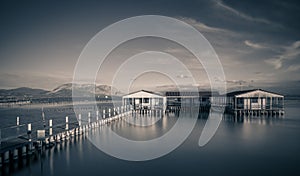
{"type": "Point", "coordinates": [249, 146]}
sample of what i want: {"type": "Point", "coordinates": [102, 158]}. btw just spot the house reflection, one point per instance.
{"type": "Point", "coordinates": [261, 120]}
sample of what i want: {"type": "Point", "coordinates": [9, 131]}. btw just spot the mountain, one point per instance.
{"type": "Point", "coordinates": [22, 93]}
{"type": "Point", "coordinates": [62, 91]}
{"type": "Point", "coordinates": [65, 90]}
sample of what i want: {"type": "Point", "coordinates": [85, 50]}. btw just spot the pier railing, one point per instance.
{"type": "Point", "coordinates": [24, 139]}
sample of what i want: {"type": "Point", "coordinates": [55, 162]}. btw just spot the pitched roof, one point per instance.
{"type": "Point", "coordinates": [240, 92]}
{"type": "Point", "coordinates": [235, 93]}
{"type": "Point", "coordinates": [144, 91]}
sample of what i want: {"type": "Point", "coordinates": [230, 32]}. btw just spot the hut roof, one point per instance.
{"type": "Point", "coordinates": [142, 93]}
{"type": "Point", "coordinates": [244, 92]}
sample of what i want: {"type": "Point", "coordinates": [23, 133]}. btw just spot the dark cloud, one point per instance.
{"type": "Point", "coordinates": [255, 40]}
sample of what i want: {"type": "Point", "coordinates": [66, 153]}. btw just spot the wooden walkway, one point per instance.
{"type": "Point", "coordinates": [26, 139]}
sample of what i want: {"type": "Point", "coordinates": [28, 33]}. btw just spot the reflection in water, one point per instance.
{"type": "Point", "coordinates": [140, 133]}
{"type": "Point", "coordinates": [261, 120]}
{"type": "Point", "coordinates": [111, 142]}
{"type": "Point", "coordinates": [143, 120]}
{"type": "Point", "coordinates": [42, 162]}
{"type": "Point", "coordinates": [50, 155]}
{"type": "Point", "coordinates": [253, 145]}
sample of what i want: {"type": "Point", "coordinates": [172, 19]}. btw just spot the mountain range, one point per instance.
{"type": "Point", "coordinates": [64, 90]}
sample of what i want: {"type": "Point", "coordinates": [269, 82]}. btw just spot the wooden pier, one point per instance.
{"type": "Point", "coordinates": [30, 139]}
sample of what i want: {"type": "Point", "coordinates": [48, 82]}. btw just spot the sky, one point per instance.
{"type": "Point", "coordinates": [258, 42]}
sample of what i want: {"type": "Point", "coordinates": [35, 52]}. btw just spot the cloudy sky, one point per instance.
{"type": "Point", "coordinates": [258, 42]}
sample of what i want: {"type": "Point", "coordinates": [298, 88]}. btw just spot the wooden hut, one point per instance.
{"type": "Point", "coordinates": [256, 101]}
{"type": "Point", "coordinates": [186, 99]}
{"type": "Point", "coordinates": [145, 100]}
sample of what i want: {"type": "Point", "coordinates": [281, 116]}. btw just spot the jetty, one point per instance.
{"type": "Point", "coordinates": [24, 140]}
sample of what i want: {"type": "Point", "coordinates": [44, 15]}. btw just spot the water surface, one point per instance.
{"type": "Point", "coordinates": [241, 146]}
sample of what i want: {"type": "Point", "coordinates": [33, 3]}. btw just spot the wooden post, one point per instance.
{"type": "Point", "coordinates": [282, 106]}
{"type": "Point", "coordinates": [235, 103]}
{"type": "Point", "coordinates": [18, 121]}
{"type": "Point", "coordinates": [50, 123]}
{"type": "Point", "coordinates": [271, 103]}
{"type": "Point", "coordinates": [50, 127]}
{"type": "Point", "coordinates": [79, 119]}
{"type": "Point", "coordinates": [6, 157]}
{"type": "Point", "coordinates": [29, 131]}
{"type": "Point", "coordinates": [63, 136]}
{"type": "Point", "coordinates": [89, 120]}
{"type": "Point", "coordinates": [58, 138]}
{"type": "Point", "coordinates": [67, 122]}
{"type": "Point", "coordinates": [97, 116]}
{"type": "Point", "coordinates": [80, 130]}
{"type": "Point", "coordinates": [15, 154]}
{"type": "Point", "coordinates": [30, 148]}
{"type": "Point", "coordinates": [24, 151]}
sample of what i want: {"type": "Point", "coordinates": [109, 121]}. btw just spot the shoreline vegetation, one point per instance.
{"type": "Point", "coordinates": [53, 104]}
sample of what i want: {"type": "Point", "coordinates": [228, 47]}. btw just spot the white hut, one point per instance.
{"type": "Point", "coordinates": [256, 100]}
{"type": "Point", "coordinates": [143, 99]}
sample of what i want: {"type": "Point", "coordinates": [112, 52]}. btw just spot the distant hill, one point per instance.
{"type": "Point", "coordinates": [22, 92]}
{"type": "Point", "coordinates": [65, 91]}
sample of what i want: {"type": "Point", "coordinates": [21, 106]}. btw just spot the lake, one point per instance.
{"type": "Point", "coordinates": [243, 146]}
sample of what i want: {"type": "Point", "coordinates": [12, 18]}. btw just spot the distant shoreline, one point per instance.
{"type": "Point", "coordinates": [58, 104]}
